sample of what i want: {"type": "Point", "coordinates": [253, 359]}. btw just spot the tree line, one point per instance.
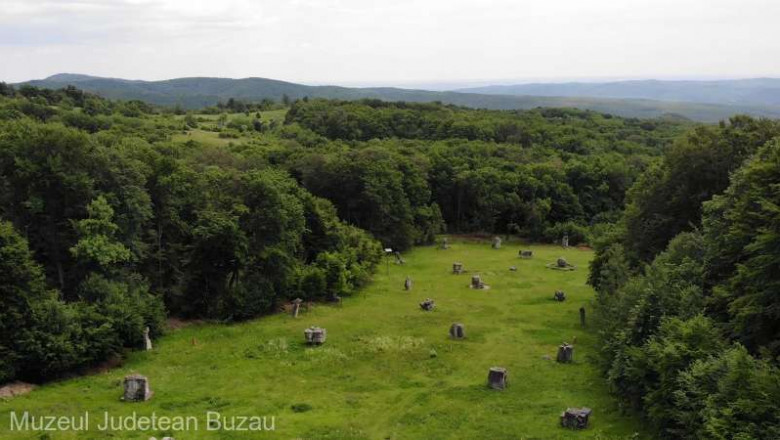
{"type": "Point", "coordinates": [687, 287]}
{"type": "Point", "coordinates": [104, 233]}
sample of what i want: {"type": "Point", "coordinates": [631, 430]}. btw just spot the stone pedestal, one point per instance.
{"type": "Point", "coordinates": [565, 353]}
{"type": "Point", "coordinates": [457, 268]}
{"type": "Point", "coordinates": [457, 331]}
{"type": "Point", "coordinates": [136, 388]}
{"type": "Point", "coordinates": [476, 282]}
{"type": "Point", "coordinates": [497, 378]}
{"type": "Point", "coordinates": [315, 335]}
{"type": "Point", "coordinates": [575, 418]}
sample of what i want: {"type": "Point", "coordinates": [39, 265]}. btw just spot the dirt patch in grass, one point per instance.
{"type": "Point", "coordinates": [15, 389]}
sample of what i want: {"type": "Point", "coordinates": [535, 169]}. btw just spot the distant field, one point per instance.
{"type": "Point", "coordinates": [212, 138]}
{"type": "Point", "coordinates": [388, 369]}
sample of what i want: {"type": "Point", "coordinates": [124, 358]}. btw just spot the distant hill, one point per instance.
{"type": "Point", "coordinates": [756, 92]}
{"type": "Point", "coordinates": [192, 93]}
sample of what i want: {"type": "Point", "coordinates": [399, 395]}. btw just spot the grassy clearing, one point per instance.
{"type": "Point", "coordinates": [377, 377]}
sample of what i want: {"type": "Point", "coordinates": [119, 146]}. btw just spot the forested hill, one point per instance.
{"type": "Point", "coordinates": [756, 91]}
{"type": "Point", "coordinates": [192, 93]}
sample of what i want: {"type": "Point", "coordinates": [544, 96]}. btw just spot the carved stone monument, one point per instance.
{"type": "Point", "coordinates": [565, 353]}
{"type": "Point", "coordinates": [296, 307]}
{"type": "Point", "coordinates": [408, 284]}
{"type": "Point", "coordinates": [496, 242]}
{"type": "Point", "coordinates": [445, 244]}
{"type": "Point", "coordinates": [497, 378]}
{"type": "Point", "coordinates": [457, 331]}
{"type": "Point", "coordinates": [315, 335]}
{"type": "Point", "coordinates": [476, 282]}
{"type": "Point", "coordinates": [575, 418]}
{"type": "Point", "coordinates": [136, 388]}
{"type": "Point", "coordinates": [147, 339]}
{"type": "Point", "coordinates": [457, 268]}
{"type": "Point", "coordinates": [526, 254]}
{"type": "Point", "coordinates": [561, 264]}
{"type": "Point", "coordinates": [565, 241]}
{"type": "Point", "coordinates": [427, 305]}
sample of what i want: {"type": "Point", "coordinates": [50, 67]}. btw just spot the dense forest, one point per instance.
{"type": "Point", "coordinates": [687, 284]}
{"type": "Point", "coordinates": [115, 215]}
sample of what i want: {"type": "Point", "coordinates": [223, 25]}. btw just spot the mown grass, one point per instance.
{"type": "Point", "coordinates": [388, 369]}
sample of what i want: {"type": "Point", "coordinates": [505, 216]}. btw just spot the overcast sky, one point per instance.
{"type": "Point", "coordinates": [399, 42]}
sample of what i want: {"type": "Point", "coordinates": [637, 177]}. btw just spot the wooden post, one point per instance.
{"type": "Point", "coordinates": [582, 316]}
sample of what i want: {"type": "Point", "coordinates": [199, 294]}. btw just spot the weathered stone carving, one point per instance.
{"type": "Point", "coordinates": [136, 388]}
{"type": "Point", "coordinates": [147, 339]}
{"type": "Point", "coordinates": [526, 254]}
{"type": "Point", "coordinates": [457, 268]}
{"type": "Point", "coordinates": [575, 418]}
{"type": "Point", "coordinates": [565, 353]}
{"type": "Point", "coordinates": [561, 264]}
{"type": "Point", "coordinates": [296, 307]}
{"type": "Point", "coordinates": [457, 331]}
{"type": "Point", "coordinates": [496, 242]}
{"type": "Point", "coordinates": [315, 335]}
{"type": "Point", "coordinates": [408, 284]}
{"type": "Point", "coordinates": [497, 378]}
{"type": "Point", "coordinates": [427, 305]}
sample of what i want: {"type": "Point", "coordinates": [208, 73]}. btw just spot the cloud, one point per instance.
{"type": "Point", "coordinates": [388, 41]}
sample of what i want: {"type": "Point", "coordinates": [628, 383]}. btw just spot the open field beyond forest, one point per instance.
{"type": "Point", "coordinates": [388, 369]}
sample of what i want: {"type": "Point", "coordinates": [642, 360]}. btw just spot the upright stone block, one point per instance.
{"type": "Point", "coordinates": [457, 268]}
{"type": "Point", "coordinates": [296, 307]}
{"type": "Point", "coordinates": [497, 378]}
{"type": "Point", "coordinates": [136, 389]}
{"type": "Point", "coordinates": [565, 353]}
{"type": "Point", "coordinates": [315, 335]}
{"type": "Point", "coordinates": [147, 339]}
{"type": "Point", "coordinates": [457, 331]}
{"type": "Point", "coordinates": [575, 418]}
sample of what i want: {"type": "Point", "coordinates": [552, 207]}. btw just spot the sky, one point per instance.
{"type": "Point", "coordinates": [392, 42]}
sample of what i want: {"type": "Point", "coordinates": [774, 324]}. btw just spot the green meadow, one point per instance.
{"type": "Point", "coordinates": [388, 369]}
